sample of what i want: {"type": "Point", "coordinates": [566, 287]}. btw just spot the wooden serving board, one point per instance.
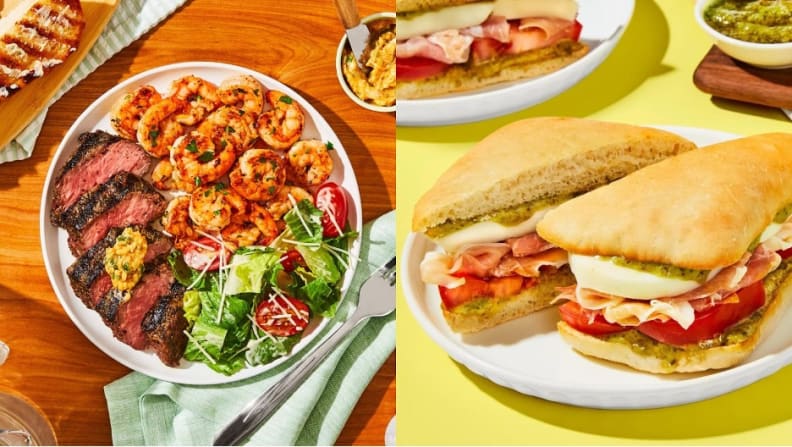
{"type": "Point", "coordinates": [722, 76]}
{"type": "Point", "coordinates": [20, 109]}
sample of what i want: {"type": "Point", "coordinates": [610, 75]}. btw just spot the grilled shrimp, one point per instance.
{"type": "Point", "coordinates": [244, 92]}
{"type": "Point", "coordinates": [161, 176]}
{"type": "Point", "coordinates": [200, 96]}
{"type": "Point", "coordinates": [158, 128]}
{"type": "Point", "coordinates": [258, 175]}
{"type": "Point", "coordinates": [264, 221]}
{"type": "Point", "coordinates": [128, 110]}
{"type": "Point", "coordinates": [176, 219]}
{"type": "Point", "coordinates": [227, 126]}
{"type": "Point", "coordinates": [197, 161]}
{"type": "Point", "coordinates": [281, 203]}
{"type": "Point", "coordinates": [310, 162]}
{"type": "Point", "coordinates": [241, 232]}
{"type": "Point", "coordinates": [282, 125]}
{"type": "Point", "coordinates": [212, 206]}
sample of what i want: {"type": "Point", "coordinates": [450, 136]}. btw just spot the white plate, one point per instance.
{"type": "Point", "coordinates": [529, 356]}
{"type": "Point", "coordinates": [57, 256]}
{"type": "Point", "coordinates": [599, 23]}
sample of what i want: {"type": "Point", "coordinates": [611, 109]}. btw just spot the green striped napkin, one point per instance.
{"type": "Point", "coordinates": [145, 411]}
{"type": "Point", "coordinates": [131, 19]}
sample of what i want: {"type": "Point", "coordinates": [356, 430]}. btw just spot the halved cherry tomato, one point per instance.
{"type": "Point", "coordinates": [710, 322]}
{"type": "Point", "coordinates": [412, 68]}
{"type": "Point", "coordinates": [291, 260]}
{"type": "Point", "coordinates": [205, 251]}
{"type": "Point", "coordinates": [332, 200]}
{"type": "Point", "coordinates": [282, 316]}
{"type": "Point", "coordinates": [575, 316]}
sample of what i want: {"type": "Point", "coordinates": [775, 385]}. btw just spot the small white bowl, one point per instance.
{"type": "Point", "coordinates": [340, 72]}
{"type": "Point", "coordinates": [763, 55]}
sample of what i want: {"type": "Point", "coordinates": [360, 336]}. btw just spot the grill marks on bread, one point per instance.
{"type": "Point", "coordinates": [35, 39]}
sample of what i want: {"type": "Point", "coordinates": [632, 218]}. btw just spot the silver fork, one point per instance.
{"type": "Point", "coordinates": [377, 298]}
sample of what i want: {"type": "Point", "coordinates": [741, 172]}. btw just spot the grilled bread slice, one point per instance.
{"type": "Point", "coordinates": [36, 36]}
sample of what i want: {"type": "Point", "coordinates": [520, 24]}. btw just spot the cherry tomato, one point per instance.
{"type": "Point", "coordinates": [282, 316]}
{"type": "Point", "coordinates": [205, 251]}
{"type": "Point", "coordinates": [710, 322]}
{"type": "Point", "coordinates": [331, 199]}
{"type": "Point", "coordinates": [291, 260]}
{"type": "Point", "coordinates": [412, 68]}
{"type": "Point", "coordinates": [578, 318]}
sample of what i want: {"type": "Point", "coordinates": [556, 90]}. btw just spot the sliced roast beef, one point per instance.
{"type": "Point", "coordinates": [125, 318]}
{"type": "Point", "coordinates": [164, 325]}
{"type": "Point", "coordinates": [98, 157]}
{"type": "Point", "coordinates": [87, 275]}
{"type": "Point", "coordinates": [123, 200]}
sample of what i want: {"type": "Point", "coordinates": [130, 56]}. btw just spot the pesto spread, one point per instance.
{"type": "Point", "coordinates": [782, 215]}
{"type": "Point", "coordinates": [759, 21]}
{"type": "Point", "coordinates": [507, 217]}
{"type": "Point", "coordinates": [738, 333]}
{"type": "Point", "coordinates": [665, 270]}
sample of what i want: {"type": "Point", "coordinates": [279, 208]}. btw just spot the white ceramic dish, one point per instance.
{"type": "Point", "coordinates": [599, 23]}
{"type": "Point", "coordinates": [340, 72]}
{"type": "Point", "coordinates": [529, 356]}
{"type": "Point", "coordinates": [763, 55]}
{"type": "Point", "coordinates": [57, 256]}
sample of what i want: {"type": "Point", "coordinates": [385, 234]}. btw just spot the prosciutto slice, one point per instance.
{"type": "Point", "coordinates": [495, 27]}
{"type": "Point", "coordinates": [528, 266]}
{"type": "Point", "coordinates": [527, 245]}
{"type": "Point", "coordinates": [448, 47]}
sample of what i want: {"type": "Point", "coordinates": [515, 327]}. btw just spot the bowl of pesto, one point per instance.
{"type": "Point", "coordinates": [757, 32]}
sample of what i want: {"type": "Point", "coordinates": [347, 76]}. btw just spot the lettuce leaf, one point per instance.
{"type": "Point", "coordinates": [251, 269]}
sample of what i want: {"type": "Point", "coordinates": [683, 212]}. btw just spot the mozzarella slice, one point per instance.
{"type": "Point", "coordinates": [489, 232]}
{"type": "Point", "coordinates": [452, 17]}
{"type": "Point", "coordinates": [518, 9]}
{"type": "Point", "coordinates": [601, 274]}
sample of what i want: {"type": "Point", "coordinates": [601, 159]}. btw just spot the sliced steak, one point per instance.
{"type": "Point", "coordinates": [98, 157]}
{"type": "Point", "coordinates": [165, 324]}
{"type": "Point", "coordinates": [87, 275]}
{"type": "Point", "coordinates": [123, 200]}
{"type": "Point", "coordinates": [126, 318]}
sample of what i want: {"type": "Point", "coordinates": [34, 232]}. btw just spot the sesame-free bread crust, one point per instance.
{"type": "Point", "coordinates": [682, 361]}
{"type": "Point", "coordinates": [428, 5]}
{"type": "Point", "coordinates": [505, 309]}
{"type": "Point", "coordinates": [538, 158]}
{"type": "Point", "coordinates": [699, 210]}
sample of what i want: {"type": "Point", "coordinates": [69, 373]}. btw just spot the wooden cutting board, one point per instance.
{"type": "Point", "coordinates": [20, 109]}
{"type": "Point", "coordinates": [722, 76]}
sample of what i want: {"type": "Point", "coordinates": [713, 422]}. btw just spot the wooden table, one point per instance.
{"type": "Point", "coordinates": [51, 362]}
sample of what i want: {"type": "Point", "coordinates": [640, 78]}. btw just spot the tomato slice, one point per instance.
{"type": "Point", "coordinates": [785, 253]}
{"type": "Point", "coordinates": [204, 251]}
{"type": "Point", "coordinates": [412, 68]}
{"type": "Point", "coordinates": [332, 200]}
{"type": "Point", "coordinates": [580, 319]}
{"type": "Point", "coordinates": [475, 287]}
{"type": "Point", "coordinates": [577, 27]}
{"type": "Point", "coordinates": [282, 316]}
{"type": "Point", "coordinates": [291, 259]}
{"type": "Point", "coordinates": [710, 322]}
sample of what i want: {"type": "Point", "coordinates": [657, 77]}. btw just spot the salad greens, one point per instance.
{"type": "Point", "coordinates": [221, 306]}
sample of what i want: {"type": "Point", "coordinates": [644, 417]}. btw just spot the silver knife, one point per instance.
{"type": "Point", "coordinates": [357, 32]}
{"type": "Point", "coordinates": [377, 298]}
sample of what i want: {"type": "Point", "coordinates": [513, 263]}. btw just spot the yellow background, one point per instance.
{"type": "Point", "coordinates": [646, 80]}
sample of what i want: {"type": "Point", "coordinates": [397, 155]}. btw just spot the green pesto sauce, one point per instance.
{"type": "Point", "coordinates": [740, 332]}
{"type": "Point", "coordinates": [508, 217]}
{"type": "Point", "coordinates": [665, 270]}
{"type": "Point", "coordinates": [782, 215]}
{"type": "Point", "coordinates": [760, 21]}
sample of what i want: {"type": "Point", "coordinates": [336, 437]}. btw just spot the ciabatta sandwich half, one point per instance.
{"type": "Point", "coordinates": [446, 46]}
{"type": "Point", "coordinates": [681, 266]}
{"type": "Point", "coordinates": [483, 211]}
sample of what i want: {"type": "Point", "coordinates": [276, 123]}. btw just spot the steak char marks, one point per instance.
{"type": "Point", "coordinates": [123, 200]}
{"type": "Point", "coordinates": [98, 157]}
{"type": "Point", "coordinates": [164, 326]}
{"type": "Point", "coordinates": [87, 275]}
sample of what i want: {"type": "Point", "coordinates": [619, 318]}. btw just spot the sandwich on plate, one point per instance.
{"type": "Point", "coordinates": [482, 212]}
{"type": "Point", "coordinates": [683, 265]}
{"type": "Point", "coordinates": [445, 46]}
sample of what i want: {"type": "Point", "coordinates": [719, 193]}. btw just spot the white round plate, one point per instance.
{"type": "Point", "coordinates": [529, 356]}
{"type": "Point", "coordinates": [57, 256]}
{"type": "Point", "coordinates": [600, 23]}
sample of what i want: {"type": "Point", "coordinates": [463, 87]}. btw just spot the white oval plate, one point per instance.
{"type": "Point", "coordinates": [529, 356]}
{"type": "Point", "coordinates": [599, 23]}
{"type": "Point", "coordinates": [56, 251]}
